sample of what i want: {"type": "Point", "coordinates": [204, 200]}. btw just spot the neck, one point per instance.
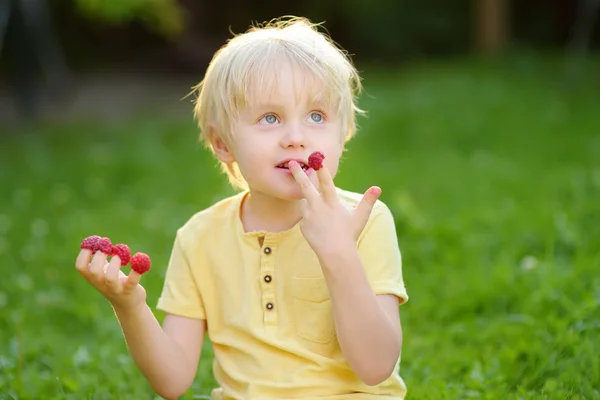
{"type": "Point", "coordinates": [266, 213]}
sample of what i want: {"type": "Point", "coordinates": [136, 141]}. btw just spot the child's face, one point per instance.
{"type": "Point", "coordinates": [285, 124]}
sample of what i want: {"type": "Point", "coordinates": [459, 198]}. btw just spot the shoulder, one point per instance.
{"type": "Point", "coordinates": [208, 220]}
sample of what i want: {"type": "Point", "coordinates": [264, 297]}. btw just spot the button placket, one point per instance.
{"type": "Point", "coordinates": [267, 268]}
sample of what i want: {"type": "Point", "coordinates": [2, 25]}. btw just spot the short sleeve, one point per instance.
{"type": "Point", "coordinates": [180, 294]}
{"type": "Point", "coordinates": [380, 254]}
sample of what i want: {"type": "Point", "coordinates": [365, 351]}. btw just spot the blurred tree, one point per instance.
{"type": "Point", "coordinates": [162, 16]}
{"type": "Point", "coordinates": [184, 34]}
{"type": "Point", "coordinates": [491, 25]}
{"type": "Point", "coordinates": [583, 29]}
{"type": "Point", "coordinates": [27, 30]}
{"type": "Point", "coordinates": [395, 29]}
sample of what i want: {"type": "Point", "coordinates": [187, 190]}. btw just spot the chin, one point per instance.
{"type": "Point", "coordinates": [286, 193]}
{"type": "Point", "coordinates": [296, 196]}
{"type": "Point", "coordinates": [290, 195]}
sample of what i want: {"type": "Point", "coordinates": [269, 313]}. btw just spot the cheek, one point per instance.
{"type": "Point", "coordinates": [247, 153]}
{"type": "Point", "coordinates": [332, 166]}
{"type": "Point", "coordinates": [252, 161]}
{"type": "Point", "coordinates": [332, 158]}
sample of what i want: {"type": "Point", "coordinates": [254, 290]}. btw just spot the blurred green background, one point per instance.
{"type": "Point", "coordinates": [483, 132]}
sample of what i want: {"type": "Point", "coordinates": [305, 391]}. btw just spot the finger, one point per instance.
{"type": "Point", "coordinates": [112, 274]}
{"type": "Point", "coordinates": [303, 206]}
{"type": "Point", "coordinates": [365, 206]}
{"type": "Point", "coordinates": [83, 260]}
{"type": "Point", "coordinates": [306, 186]}
{"type": "Point", "coordinates": [131, 281]}
{"type": "Point", "coordinates": [326, 185]}
{"type": "Point", "coordinates": [97, 265]}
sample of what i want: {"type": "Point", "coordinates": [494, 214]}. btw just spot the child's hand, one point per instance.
{"type": "Point", "coordinates": [123, 291]}
{"type": "Point", "coordinates": [327, 224]}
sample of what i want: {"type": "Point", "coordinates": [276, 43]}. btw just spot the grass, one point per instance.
{"type": "Point", "coordinates": [492, 171]}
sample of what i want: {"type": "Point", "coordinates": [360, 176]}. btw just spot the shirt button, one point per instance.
{"type": "Point", "coordinates": [267, 278]}
{"type": "Point", "coordinates": [270, 306]}
{"type": "Point", "coordinates": [267, 250]}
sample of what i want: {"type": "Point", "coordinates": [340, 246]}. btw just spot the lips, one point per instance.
{"type": "Point", "coordinates": [285, 164]}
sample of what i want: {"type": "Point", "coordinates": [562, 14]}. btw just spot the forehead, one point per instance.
{"type": "Point", "coordinates": [283, 82]}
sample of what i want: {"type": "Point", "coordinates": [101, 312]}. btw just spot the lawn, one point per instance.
{"type": "Point", "coordinates": [491, 169]}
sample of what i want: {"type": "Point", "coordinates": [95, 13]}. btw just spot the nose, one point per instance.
{"type": "Point", "coordinates": [293, 136]}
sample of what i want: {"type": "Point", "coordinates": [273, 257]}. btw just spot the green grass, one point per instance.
{"type": "Point", "coordinates": [492, 171]}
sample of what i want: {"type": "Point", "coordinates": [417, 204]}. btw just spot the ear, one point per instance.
{"type": "Point", "coordinates": [221, 149]}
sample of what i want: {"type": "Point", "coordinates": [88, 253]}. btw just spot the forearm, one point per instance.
{"type": "Point", "coordinates": [160, 360]}
{"type": "Point", "coordinates": [370, 341]}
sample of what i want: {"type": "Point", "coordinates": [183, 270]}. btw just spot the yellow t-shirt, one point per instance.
{"type": "Point", "coordinates": [267, 307]}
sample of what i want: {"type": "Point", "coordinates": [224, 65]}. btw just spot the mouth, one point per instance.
{"type": "Point", "coordinates": [285, 165]}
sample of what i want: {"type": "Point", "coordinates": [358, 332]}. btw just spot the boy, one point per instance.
{"type": "Point", "coordinates": [296, 282]}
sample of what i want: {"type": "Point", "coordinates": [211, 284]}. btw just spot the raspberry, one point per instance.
{"type": "Point", "coordinates": [315, 160]}
{"type": "Point", "coordinates": [122, 250]}
{"type": "Point", "coordinates": [140, 263]}
{"type": "Point", "coordinates": [91, 243]}
{"type": "Point", "coordinates": [105, 246]}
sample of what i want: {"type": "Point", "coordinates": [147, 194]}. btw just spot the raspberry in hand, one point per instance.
{"type": "Point", "coordinates": [91, 243]}
{"type": "Point", "coordinates": [140, 263]}
{"type": "Point", "coordinates": [122, 250]}
{"type": "Point", "coordinates": [105, 246]}
{"type": "Point", "coordinates": [315, 160]}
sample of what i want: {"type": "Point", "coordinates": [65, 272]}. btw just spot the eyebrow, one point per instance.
{"type": "Point", "coordinates": [266, 106]}
{"type": "Point", "coordinates": [276, 106]}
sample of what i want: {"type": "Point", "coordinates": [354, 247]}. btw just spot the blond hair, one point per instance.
{"type": "Point", "coordinates": [247, 62]}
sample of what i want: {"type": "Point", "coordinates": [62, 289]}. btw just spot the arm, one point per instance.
{"type": "Point", "coordinates": [168, 357]}
{"type": "Point", "coordinates": [367, 325]}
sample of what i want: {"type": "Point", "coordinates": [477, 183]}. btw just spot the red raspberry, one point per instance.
{"type": "Point", "coordinates": [105, 246]}
{"type": "Point", "coordinates": [315, 160]}
{"type": "Point", "coordinates": [91, 243]}
{"type": "Point", "coordinates": [140, 263]}
{"type": "Point", "coordinates": [122, 250]}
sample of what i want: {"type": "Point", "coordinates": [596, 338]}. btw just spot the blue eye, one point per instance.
{"type": "Point", "coordinates": [269, 119]}
{"type": "Point", "coordinates": [316, 117]}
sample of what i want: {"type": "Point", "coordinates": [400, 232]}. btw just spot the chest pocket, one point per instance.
{"type": "Point", "coordinates": [312, 310]}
